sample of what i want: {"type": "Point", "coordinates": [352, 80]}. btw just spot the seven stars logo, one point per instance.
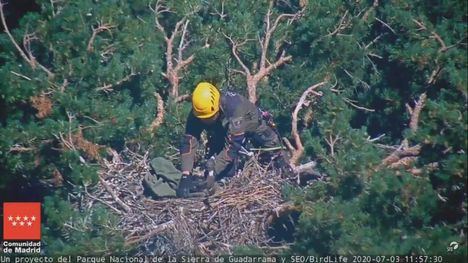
{"type": "Point", "coordinates": [21, 221]}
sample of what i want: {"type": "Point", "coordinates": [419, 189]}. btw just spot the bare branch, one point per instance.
{"type": "Point", "coordinates": [182, 98]}
{"type": "Point", "coordinates": [182, 46]}
{"type": "Point", "coordinates": [373, 41]}
{"type": "Point", "coordinates": [109, 87]}
{"type": "Point", "coordinates": [20, 149]}
{"type": "Point", "coordinates": [96, 30]}
{"type": "Point", "coordinates": [221, 13]}
{"type": "Point", "coordinates": [288, 144]}
{"type": "Point", "coordinates": [20, 75]}
{"type": "Point", "coordinates": [416, 111]}
{"type": "Point", "coordinates": [27, 39]}
{"type": "Point", "coordinates": [386, 25]}
{"type": "Point", "coordinates": [367, 86]}
{"type": "Point", "coordinates": [299, 149]}
{"type": "Point", "coordinates": [157, 10]}
{"type": "Point", "coordinates": [434, 75]}
{"type": "Point", "coordinates": [5, 28]}
{"type": "Point", "coordinates": [234, 47]}
{"type": "Point", "coordinates": [266, 71]}
{"type": "Point", "coordinates": [173, 65]}
{"type": "Point", "coordinates": [372, 8]}
{"type": "Point", "coordinates": [306, 167]}
{"type": "Point", "coordinates": [159, 116]}
{"type": "Point", "coordinates": [436, 36]}
{"type": "Point", "coordinates": [343, 24]}
{"type": "Point", "coordinates": [420, 24]}
{"type": "Point", "coordinates": [400, 153]}
{"type": "Point", "coordinates": [157, 230]}
{"type": "Point", "coordinates": [263, 67]}
{"type": "Point", "coordinates": [331, 143]}
{"type": "Point", "coordinates": [280, 211]}
{"type": "Point", "coordinates": [29, 59]}
{"type": "Point", "coordinates": [350, 102]}
{"type": "Point", "coordinates": [239, 72]}
{"type": "Point", "coordinates": [405, 155]}
{"type": "Point", "coordinates": [116, 198]}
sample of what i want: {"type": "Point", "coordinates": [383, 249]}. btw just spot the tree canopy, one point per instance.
{"type": "Point", "coordinates": [374, 91]}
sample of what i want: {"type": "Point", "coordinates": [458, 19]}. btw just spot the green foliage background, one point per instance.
{"type": "Point", "coordinates": [385, 55]}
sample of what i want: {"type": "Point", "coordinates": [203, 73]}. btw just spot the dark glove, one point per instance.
{"type": "Point", "coordinates": [283, 165]}
{"type": "Point", "coordinates": [209, 167]}
{"type": "Point", "coordinates": [190, 186]}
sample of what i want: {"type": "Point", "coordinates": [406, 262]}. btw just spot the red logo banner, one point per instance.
{"type": "Point", "coordinates": [21, 221]}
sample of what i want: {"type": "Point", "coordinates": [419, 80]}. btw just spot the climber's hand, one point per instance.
{"type": "Point", "coordinates": [284, 166]}
{"type": "Point", "coordinates": [209, 167]}
{"type": "Point", "coordinates": [185, 186]}
{"type": "Point", "coordinates": [191, 186]}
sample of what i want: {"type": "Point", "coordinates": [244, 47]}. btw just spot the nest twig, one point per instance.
{"type": "Point", "coordinates": [238, 214]}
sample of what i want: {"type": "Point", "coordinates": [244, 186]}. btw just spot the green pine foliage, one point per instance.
{"type": "Point", "coordinates": [377, 57]}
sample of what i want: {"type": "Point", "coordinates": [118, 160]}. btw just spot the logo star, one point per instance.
{"type": "Point", "coordinates": [18, 218]}
{"type": "Point", "coordinates": [14, 223]}
{"type": "Point", "coordinates": [33, 218]}
{"type": "Point", "coordinates": [22, 223]}
{"type": "Point", "coordinates": [10, 218]}
{"type": "Point", "coordinates": [29, 223]}
{"type": "Point", "coordinates": [25, 218]}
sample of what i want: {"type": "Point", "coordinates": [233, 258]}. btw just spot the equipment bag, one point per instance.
{"type": "Point", "coordinates": [163, 179]}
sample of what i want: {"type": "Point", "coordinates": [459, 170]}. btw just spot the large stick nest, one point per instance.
{"type": "Point", "coordinates": [239, 213]}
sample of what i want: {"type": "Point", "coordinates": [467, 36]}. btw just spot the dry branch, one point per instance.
{"type": "Point", "coordinates": [174, 65]}
{"type": "Point", "coordinates": [303, 101]}
{"type": "Point", "coordinates": [400, 153]}
{"type": "Point", "coordinates": [20, 149]}
{"type": "Point", "coordinates": [263, 67]}
{"type": "Point", "coordinates": [159, 116]}
{"type": "Point", "coordinates": [342, 25]}
{"type": "Point", "coordinates": [182, 98]}
{"type": "Point", "coordinates": [156, 231]}
{"type": "Point", "coordinates": [416, 111]}
{"type": "Point", "coordinates": [280, 211]}
{"type": "Point", "coordinates": [96, 30]}
{"type": "Point", "coordinates": [114, 195]}
{"type": "Point", "coordinates": [29, 58]}
{"type": "Point", "coordinates": [386, 25]}
{"type": "Point", "coordinates": [372, 8]}
{"type": "Point", "coordinates": [404, 156]}
{"type": "Point", "coordinates": [305, 168]}
{"type": "Point", "coordinates": [443, 48]}
{"type": "Point", "coordinates": [109, 87]}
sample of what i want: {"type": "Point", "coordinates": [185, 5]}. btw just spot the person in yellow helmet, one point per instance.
{"type": "Point", "coordinates": [229, 119]}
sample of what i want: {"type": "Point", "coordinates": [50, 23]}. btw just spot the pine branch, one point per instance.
{"type": "Point", "coordinates": [416, 111]}
{"type": "Point", "coordinates": [405, 155]}
{"type": "Point", "coordinates": [299, 149]}
{"type": "Point", "coordinates": [264, 66]}
{"type": "Point", "coordinates": [174, 66]}
{"type": "Point", "coordinates": [30, 59]}
{"type": "Point", "coordinates": [159, 116]}
{"type": "Point", "coordinates": [96, 30]}
{"type": "Point", "coordinates": [343, 24]}
{"type": "Point", "coordinates": [109, 87]}
{"type": "Point", "coordinates": [234, 49]}
{"type": "Point", "coordinates": [182, 98]}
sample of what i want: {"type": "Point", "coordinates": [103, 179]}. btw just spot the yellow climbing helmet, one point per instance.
{"type": "Point", "coordinates": [205, 100]}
